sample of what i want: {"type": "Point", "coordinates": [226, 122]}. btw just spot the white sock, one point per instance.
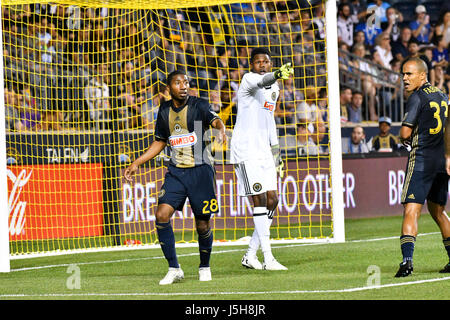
{"type": "Point", "coordinates": [254, 243]}
{"type": "Point", "coordinates": [262, 228]}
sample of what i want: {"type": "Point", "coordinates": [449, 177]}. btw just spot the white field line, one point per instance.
{"type": "Point", "coordinates": [143, 294]}
{"type": "Point", "coordinates": [196, 253]}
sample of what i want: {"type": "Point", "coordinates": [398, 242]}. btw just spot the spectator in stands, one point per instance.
{"type": "Point", "coordinates": [243, 54]}
{"type": "Point", "coordinates": [440, 55]}
{"type": "Point", "coordinates": [413, 50]}
{"type": "Point", "coordinates": [368, 81]}
{"type": "Point", "coordinates": [319, 20]}
{"type": "Point", "coordinates": [97, 96]}
{"type": "Point", "coordinates": [42, 31]}
{"type": "Point", "coordinates": [379, 7]}
{"type": "Point", "coordinates": [307, 111]}
{"type": "Point", "coordinates": [384, 141]}
{"type": "Point", "coordinates": [309, 114]}
{"type": "Point", "coordinates": [395, 80]}
{"type": "Point", "coordinates": [440, 81]}
{"type": "Point", "coordinates": [289, 96]}
{"type": "Point", "coordinates": [30, 117]}
{"type": "Point", "coordinates": [223, 63]}
{"type": "Point", "coordinates": [345, 24]}
{"type": "Point", "coordinates": [371, 30]}
{"type": "Point", "coordinates": [305, 142]}
{"type": "Point", "coordinates": [359, 10]}
{"type": "Point", "coordinates": [356, 143]}
{"type": "Point", "coordinates": [355, 108]}
{"type": "Point", "coordinates": [214, 100]}
{"type": "Point", "coordinates": [392, 26]}
{"type": "Point", "coordinates": [400, 47]}
{"type": "Point", "coordinates": [11, 109]}
{"type": "Point", "coordinates": [421, 28]}
{"type": "Point", "coordinates": [383, 47]}
{"type": "Point", "coordinates": [228, 108]}
{"type": "Point", "coordinates": [345, 100]}
{"type": "Point", "coordinates": [443, 27]}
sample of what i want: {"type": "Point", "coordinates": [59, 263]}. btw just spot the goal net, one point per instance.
{"type": "Point", "coordinates": [82, 83]}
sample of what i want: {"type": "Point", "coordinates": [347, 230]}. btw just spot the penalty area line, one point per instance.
{"type": "Point", "coordinates": [137, 294]}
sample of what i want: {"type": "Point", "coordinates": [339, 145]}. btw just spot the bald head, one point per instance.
{"type": "Point", "coordinates": [415, 74]}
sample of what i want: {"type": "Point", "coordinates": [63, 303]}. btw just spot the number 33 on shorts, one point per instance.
{"type": "Point", "coordinates": [210, 206]}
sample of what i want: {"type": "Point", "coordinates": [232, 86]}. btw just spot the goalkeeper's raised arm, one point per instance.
{"type": "Point", "coordinates": [283, 73]}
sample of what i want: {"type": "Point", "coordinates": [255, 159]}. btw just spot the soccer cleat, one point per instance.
{"type": "Point", "coordinates": [273, 265]}
{"type": "Point", "coordinates": [446, 269]}
{"type": "Point", "coordinates": [204, 274]}
{"type": "Point", "coordinates": [251, 262]}
{"type": "Point", "coordinates": [406, 269]}
{"type": "Point", "coordinates": [173, 275]}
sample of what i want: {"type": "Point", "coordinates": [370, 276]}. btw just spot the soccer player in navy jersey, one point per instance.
{"type": "Point", "coordinates": [181, 124]}
{"type": "Point", "coordinates": [422, 132]}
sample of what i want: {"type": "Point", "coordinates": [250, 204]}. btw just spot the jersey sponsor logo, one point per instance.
{"type": "Point", "coordinates": [269, 106]}
{"type": "Point", "coordinates": [183, 140]}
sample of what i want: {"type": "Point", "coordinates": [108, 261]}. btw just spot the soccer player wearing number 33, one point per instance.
{"type": "Point", "coordinates": [181, 123]}
{"type": "Point", "coordinates": [422, 133]}
{"type": "Point", "coordinates": [255, 151]}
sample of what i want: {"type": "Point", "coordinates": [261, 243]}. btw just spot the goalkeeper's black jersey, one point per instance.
{"type": "Point", "coordinates": [183, 129]}
{"type": "Point", "coordinates": [426, 112]}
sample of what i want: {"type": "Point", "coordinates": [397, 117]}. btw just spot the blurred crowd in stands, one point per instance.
{"type": "Point", "coordinates": [375, 38]}
{"type": "Point", "coordinates": [77, 68]}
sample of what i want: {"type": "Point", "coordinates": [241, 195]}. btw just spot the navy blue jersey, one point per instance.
{"type": "Point", "coordinates": [183, 129]}
{"type": "Point", "coordinates": [426, 112]}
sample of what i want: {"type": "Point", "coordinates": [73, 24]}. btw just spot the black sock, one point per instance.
{"type": "Point", "coordinates": [407, 246]}
{"type": "Point", "coordinates": [167, 241]}
{"type": "Point", "coordinates": [447, 246]}
{"type": "Point", "coordinates": [205, 242]}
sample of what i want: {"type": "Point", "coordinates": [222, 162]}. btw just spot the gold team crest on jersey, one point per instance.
{"type": "Point", "coordinates": [274, 95]}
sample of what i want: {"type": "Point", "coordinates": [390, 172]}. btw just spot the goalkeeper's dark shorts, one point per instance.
{"type": "Point", "coordinates": [422, 185]}
{"type": "Point", "coordinates": [198, 184]}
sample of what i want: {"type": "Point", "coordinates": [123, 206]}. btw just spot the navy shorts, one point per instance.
{"type": "Point", "coordinates": [420, 186]}
{"type": "Point", "coordinates": [198, 184]}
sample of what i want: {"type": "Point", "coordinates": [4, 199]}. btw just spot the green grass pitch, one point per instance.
{"type": "Point", "coordinates": [362, 268]}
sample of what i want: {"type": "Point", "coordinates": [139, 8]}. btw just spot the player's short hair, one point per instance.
{"type": "Point", "coordinates": [420, 64]}
{"type": "Point", "coordinates": [259, 50]}
{"type": "Point", "coordinates": [173, 74]}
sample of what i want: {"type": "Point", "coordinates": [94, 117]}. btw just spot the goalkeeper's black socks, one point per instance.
{"type": "Point", "coordinates": [407, 246]}
{"type": "Point", "coordinates": [205, 242]}
{"type": "Point", "coordinates": [167, 241]}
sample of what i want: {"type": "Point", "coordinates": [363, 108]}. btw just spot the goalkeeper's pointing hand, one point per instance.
{"type": "Point", "coordinates": [284, 72]}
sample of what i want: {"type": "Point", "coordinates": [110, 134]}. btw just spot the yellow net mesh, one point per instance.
{"type": "Point", "coordinates": [83, 82]}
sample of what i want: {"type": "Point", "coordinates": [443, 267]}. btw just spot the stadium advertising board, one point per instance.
{"type": "Point", "coordinates": [55, 201]}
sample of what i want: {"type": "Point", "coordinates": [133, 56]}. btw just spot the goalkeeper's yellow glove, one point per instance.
{"type": "Point", "coordinates": [284, 72]}
{"type": "Point", "coordinates": [279, 164]}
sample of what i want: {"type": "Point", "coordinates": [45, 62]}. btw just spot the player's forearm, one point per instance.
{"type": "Point", "coordinates": [447, 138]}
{"type": "Point", "coordinates": [155, 148]}
{"type": "Point", "coordinates": [267, 80]}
